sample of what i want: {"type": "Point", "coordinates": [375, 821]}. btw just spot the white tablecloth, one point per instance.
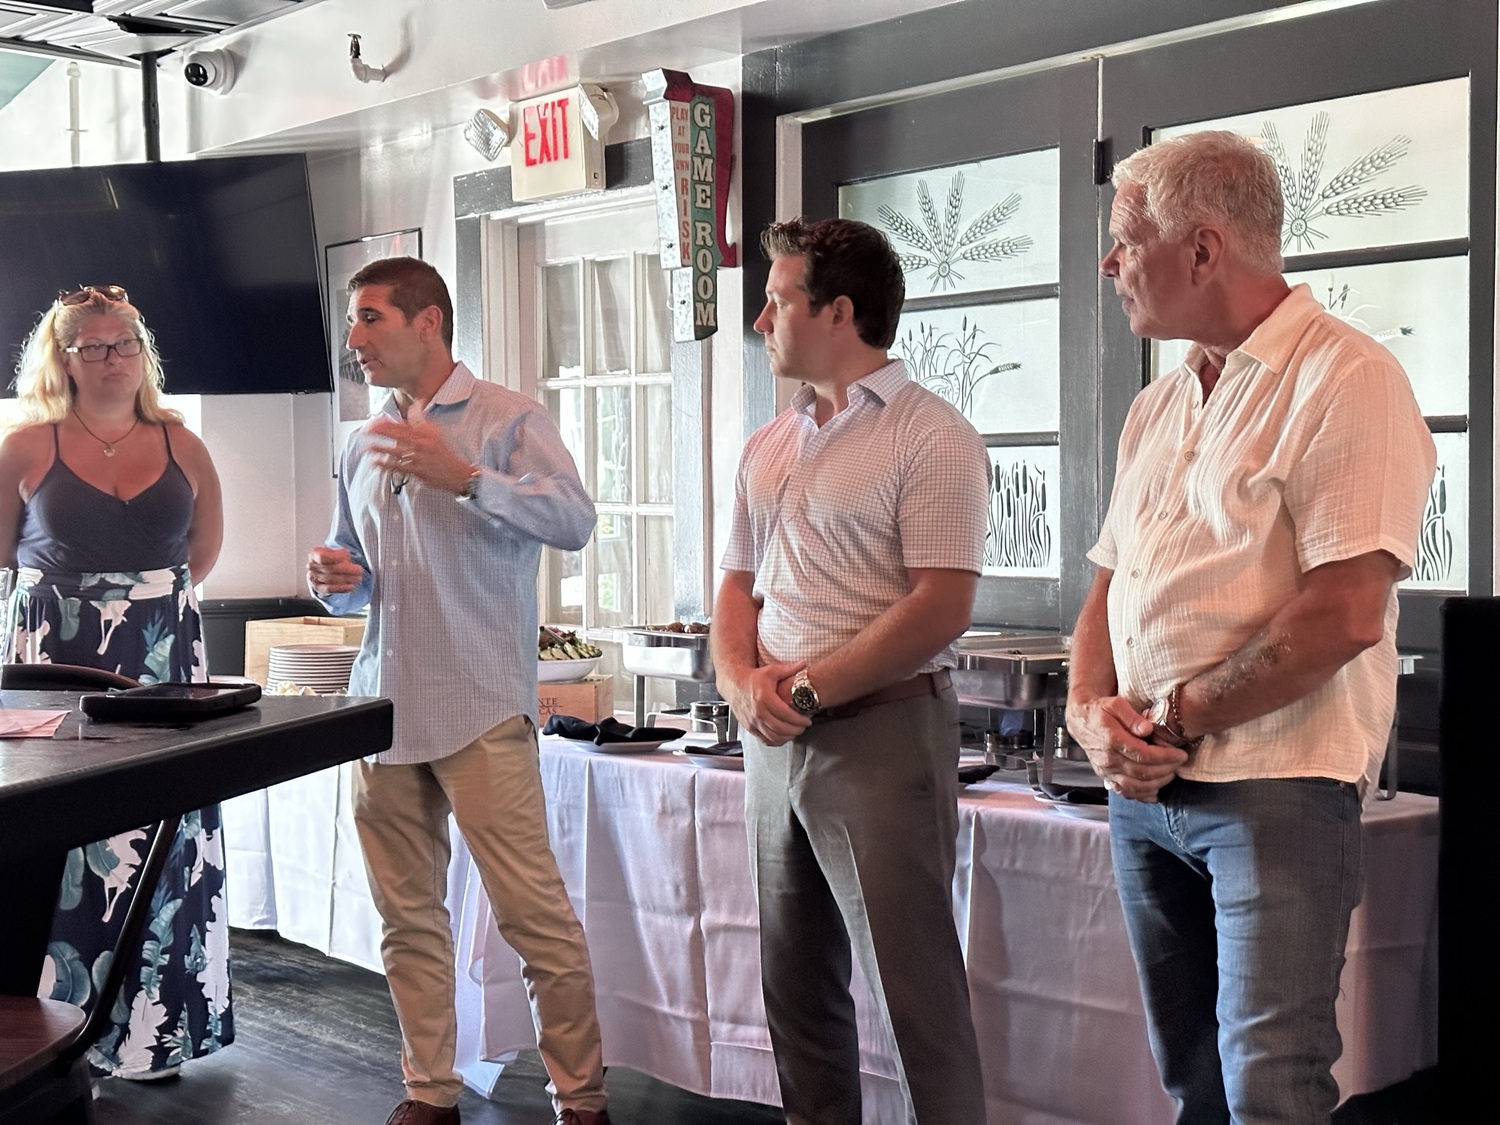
{"type": "Point", "coordinates": [653, 851]}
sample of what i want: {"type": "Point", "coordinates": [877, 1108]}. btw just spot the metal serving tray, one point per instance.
{"type": "Point", "coordinates": [670, 656]}
{"type": "Point", "coordinates": [1019, 671]}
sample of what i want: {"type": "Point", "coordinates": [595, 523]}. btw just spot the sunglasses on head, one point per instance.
{"type": "Point", "coordinates": [88, 292]}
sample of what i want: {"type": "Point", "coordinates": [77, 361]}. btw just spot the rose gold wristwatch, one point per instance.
{"type": "Point", "coordinates": [1166, 717]}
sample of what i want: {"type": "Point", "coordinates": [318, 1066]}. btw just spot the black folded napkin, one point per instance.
{"type": "Point", "coordinates": [606, 731]}
{"type": "Point", "coordinates": [1074, 794]}
{"type": "Point", "coordinates": [973, 772]}
{"type": "Point", "coordinates": [731, 749]}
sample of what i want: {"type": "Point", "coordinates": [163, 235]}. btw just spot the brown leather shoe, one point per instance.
{"type": "Point", "coordinates": [582, 1117]}
{"type": "Point", "coordinates": [412, 1112]}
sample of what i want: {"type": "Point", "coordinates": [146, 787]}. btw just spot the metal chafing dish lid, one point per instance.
{"type": "Point", "coordinates": [647, 637]}
{"type": "Point", "coordinates": [1014, 653]}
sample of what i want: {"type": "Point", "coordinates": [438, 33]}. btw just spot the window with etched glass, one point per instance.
{"type": "Point", "coordinates": [1377, 225]}
{"type": "Point", "coordinates": [606, 379]}
{"type": "Point", "coordinates": [979, 246]}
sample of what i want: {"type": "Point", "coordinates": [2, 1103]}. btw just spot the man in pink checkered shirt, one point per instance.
{"type": "Point", "coordinates": [853, 559]}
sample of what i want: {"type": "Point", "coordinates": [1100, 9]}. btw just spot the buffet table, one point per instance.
{"type": "Point", "coordinates": [653, 851]}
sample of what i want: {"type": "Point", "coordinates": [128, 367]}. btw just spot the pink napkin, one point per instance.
{"type": "Point", "coordinates": [30, 724]}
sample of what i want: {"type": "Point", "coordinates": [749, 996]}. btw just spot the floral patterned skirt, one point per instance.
{"type": "Point", "coordinates": [175, 1003]}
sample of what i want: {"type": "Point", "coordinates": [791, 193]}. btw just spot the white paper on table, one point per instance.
{"type": "Point", "coordinates": [30, 724]}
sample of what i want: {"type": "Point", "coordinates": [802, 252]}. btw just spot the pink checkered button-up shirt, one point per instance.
{"type": "Point", "coordinates": [830, 518]}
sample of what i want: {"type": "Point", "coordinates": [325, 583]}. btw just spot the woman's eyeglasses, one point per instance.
{"type": "Point", "coordinates": [95, 353]}
{"type": "Point", "coordinates": [88, 292]}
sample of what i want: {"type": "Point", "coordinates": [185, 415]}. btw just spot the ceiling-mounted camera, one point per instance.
{"type": "Point", "coordinates": [209, 70]}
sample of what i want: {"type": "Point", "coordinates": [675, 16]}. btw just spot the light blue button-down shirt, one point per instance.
{"type": "Point", "coordinates": [451, 585]}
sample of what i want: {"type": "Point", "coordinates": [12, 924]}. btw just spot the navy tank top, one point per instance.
{"type": "Point", "coordinates": [70, 525]}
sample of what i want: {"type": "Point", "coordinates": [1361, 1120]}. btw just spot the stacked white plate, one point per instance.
{"type": "Point", "coordinates": [323, 668]}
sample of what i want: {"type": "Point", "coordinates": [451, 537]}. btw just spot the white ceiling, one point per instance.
{"type": "Point", "coordinates": [125, 29]}
{"type": "Point", "coordinates": [445, 57]}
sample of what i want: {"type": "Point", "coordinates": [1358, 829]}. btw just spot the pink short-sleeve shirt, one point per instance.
{"type": "Point", "coordinates": [830, 518]}
{"type": "Point", "coordinates": [1311, 449]}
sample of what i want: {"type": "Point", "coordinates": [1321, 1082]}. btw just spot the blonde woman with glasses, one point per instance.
{"type": "Point", "coordinates": [110, 511]}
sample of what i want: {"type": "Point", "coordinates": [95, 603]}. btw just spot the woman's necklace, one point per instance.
{"type": "Point", "coordinates": [109, 446]}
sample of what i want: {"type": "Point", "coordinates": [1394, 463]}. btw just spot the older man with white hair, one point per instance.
{"type": "Point", "coordinates": [1234, 664]}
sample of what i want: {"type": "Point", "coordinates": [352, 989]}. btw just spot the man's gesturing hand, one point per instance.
{"type": "Point", "coordinates": [418, 449]}
{"type": "Point", "coordinates": [330, 570]}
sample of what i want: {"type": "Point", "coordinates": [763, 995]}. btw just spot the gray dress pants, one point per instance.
{"type": "Point", "coordinates": [852, 831]}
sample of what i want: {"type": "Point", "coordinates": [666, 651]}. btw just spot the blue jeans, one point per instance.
{"type": "Point", "coordinates": [1237, 898]}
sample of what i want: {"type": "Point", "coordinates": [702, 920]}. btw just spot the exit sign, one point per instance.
{"type": "Point", "coordinates": [551, 150]}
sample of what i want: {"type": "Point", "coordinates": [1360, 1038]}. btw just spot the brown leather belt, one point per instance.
{"type": "Point", "coordinates": [928, 683]}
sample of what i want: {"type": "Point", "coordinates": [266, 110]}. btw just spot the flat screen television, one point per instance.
{"type": "Point", "coordinates": [218, 254]}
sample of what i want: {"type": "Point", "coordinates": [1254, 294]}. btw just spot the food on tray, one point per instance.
{"type": "Point", "coordinates": [287, 687]}
{"type": "Point", "coordinates": [694, 628]}
{"type": "Point", "coordinates": [555, 644]}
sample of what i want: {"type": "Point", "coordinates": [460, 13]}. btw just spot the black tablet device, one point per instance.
{"type": "Point", "coordinates": [169, 702]}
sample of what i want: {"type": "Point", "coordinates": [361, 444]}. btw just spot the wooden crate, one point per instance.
{"type": "Point", "coordinates": [262, 636]}
{"type": "Point", "coordinates": [590, 699]}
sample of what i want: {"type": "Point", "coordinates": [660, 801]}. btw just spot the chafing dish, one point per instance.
{"type": "Point", "coordinates": [1017, 671]}
{"type": "Point", "coordinates": [663, 654]}
{"type": "Point", "coordinates": [671, 656]}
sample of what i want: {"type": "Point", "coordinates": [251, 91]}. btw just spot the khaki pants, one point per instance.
{"type": "Point", "coordinates": [493, 787]}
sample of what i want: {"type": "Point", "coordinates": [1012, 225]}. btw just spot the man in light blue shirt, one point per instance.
{"type": "Point", "coordinates": [445, 500]}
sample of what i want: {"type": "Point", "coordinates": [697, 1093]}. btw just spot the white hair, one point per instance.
{"type": "Point", "coordinates": [1211, 177]}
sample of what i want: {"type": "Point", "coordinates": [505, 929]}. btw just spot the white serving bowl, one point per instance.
{"type": "Point", "coordinates": [564, 671]}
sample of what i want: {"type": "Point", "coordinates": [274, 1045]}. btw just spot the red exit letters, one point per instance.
{"type": "Point", "coordinates": [544, 132]}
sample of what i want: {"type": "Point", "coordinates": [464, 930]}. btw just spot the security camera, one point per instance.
{"type": "Point", "coordinates": [209, 70]}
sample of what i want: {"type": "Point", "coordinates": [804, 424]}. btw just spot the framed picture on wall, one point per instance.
{"type": "Point", "coordinates": [353, 400]}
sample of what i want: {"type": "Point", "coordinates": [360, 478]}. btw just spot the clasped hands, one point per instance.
{"type": "Point", "coordinates": [761, 699]}
{"type": "Point", "coordinates": [1117, 737]}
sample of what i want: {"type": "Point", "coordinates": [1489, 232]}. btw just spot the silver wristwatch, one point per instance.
{"type": "Point", "coordinates": [804, 695]}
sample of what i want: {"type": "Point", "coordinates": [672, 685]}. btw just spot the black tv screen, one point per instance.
{"type": "Point", "coordinates": [218, 254]}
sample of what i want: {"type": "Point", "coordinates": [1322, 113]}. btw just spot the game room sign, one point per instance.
{"type": "Point", "coordinates": [692, 131]}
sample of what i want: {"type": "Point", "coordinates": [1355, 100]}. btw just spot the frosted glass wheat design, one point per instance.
{"type": "Point", "coordinates": [1017, 535]}
{"type": "Point", "coordinates": [1345, 194]}
{"type": "Point", "coordinates": [939, 246]}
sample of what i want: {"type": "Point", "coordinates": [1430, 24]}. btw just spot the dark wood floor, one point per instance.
{"type": "Point", "coordinates": [317, 1044]}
